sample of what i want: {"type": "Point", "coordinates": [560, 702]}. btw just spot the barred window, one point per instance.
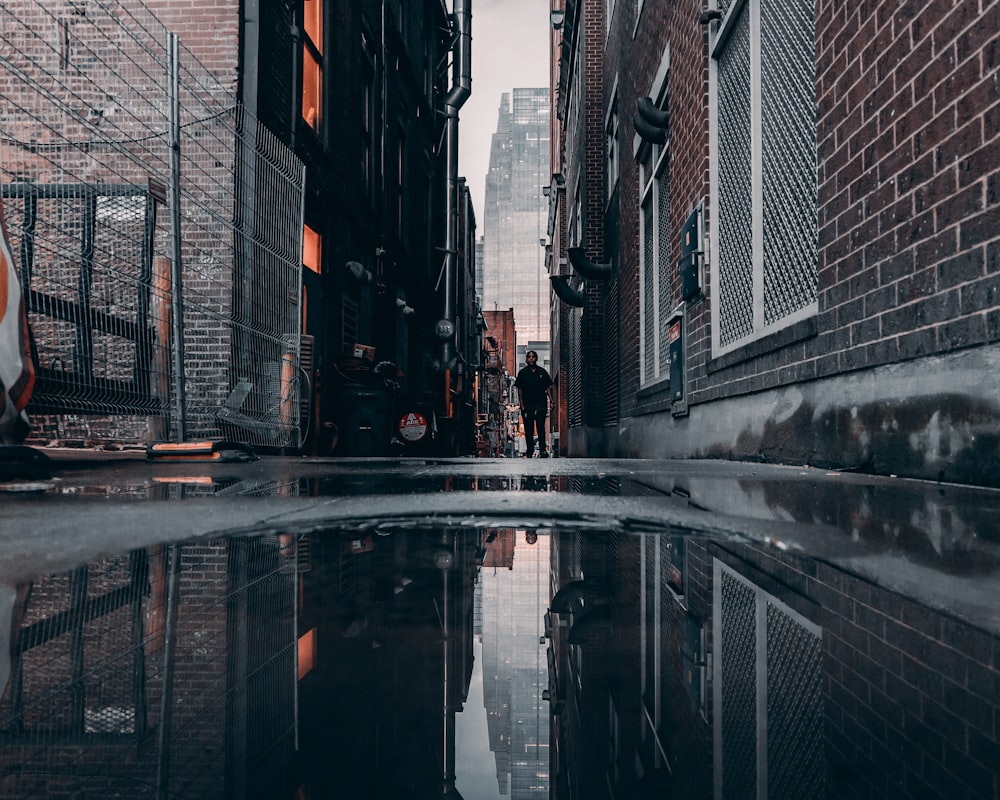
{"type": "Point", "coordinates": [764, 264]}
{"type": "Point", "coordinates": [611, 133]}
{"type": "Point", "coordinates": [654, 256]}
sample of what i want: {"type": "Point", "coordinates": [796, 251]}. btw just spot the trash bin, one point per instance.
{"type": "Point", "coordinates": [364, 420]}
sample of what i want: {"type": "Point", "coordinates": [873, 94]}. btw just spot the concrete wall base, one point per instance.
{"type": "Point", "coordinates": [936, 418]}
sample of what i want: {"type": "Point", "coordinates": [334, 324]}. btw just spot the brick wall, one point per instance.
{"type": "Point", "coordinates": [909, 201]}
{"type": "Point", "coordinates": [910, 694]}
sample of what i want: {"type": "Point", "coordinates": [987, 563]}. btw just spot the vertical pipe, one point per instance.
{"type": "Point", "coordinates": [176, 298]}
{"type": "Point", "coordinates": [78, 609]}
{"type": "Point", "coordinates": [167, 693]}
{"type": "Point", "coordinates": [459, 93]}
{"type": "Point", "coordinates": [446, 740]}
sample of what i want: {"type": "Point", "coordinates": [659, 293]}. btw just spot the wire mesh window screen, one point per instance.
{"type": "Point", "coordinates": [85, 145]}
{"type": "Point", "coordinates": [791, 227]}
{"type": "Point", "coordinates": [656, 281]}
{"type": "Point", "coordinates": [735, 286]}
{"type": "Point", "coordinates": [795, 738]}
{"type": "Point", "coordinates": [770, 669]}
{"type": "Point", "coordinates": [648, 284]}
{"type": "Point", "coordinates": [574, 401]}
{"type": "Point", "coordinates": [767, 188]}
{"type": "Point", "coordinates": [651, 558]}
{"type": "Point", "coordinates": [664, 294]}
{"type": "Point", "coordinates": [611, 316]}
{"type": "Point", "coordinates": [738, 711]}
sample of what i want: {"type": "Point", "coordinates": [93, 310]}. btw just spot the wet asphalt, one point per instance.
{"type": "Point", "coordinates": [939, 542]}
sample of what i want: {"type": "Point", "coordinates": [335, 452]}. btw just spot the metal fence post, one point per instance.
{"type": "Point", "coordinates": [176, 297]}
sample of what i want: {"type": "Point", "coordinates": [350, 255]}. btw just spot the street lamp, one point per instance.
{"type": "Point", "coordinates": [557, 16]}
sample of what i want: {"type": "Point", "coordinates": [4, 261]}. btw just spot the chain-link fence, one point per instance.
{"type": "Point", "coordinates": [157, 229]}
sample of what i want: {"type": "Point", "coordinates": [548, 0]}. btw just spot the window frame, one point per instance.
{"type": "Point", "coordinates": [312, 55]}
{"type": "Point", "coordinates": [612, 142]}
{"type": "Point", "coordinates": [760, 328]}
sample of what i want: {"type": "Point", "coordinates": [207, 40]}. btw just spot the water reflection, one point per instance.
{"type": "Point", "coordinates": [341, 664]}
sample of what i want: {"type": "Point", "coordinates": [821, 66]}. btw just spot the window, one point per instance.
{"type": "Point", "coordinates": [764, 257]}
{"type": "Point", "coordinates": [312, 63]}
{"type": "Point", "coordinates": [611, 134]}
{"type": "Point", "coordinates": [312, 250]}
{"type": "Point", "coordinates": [654, 260]}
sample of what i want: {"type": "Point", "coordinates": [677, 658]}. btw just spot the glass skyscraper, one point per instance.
{"type": "Point", "coordinates": [515, 216]}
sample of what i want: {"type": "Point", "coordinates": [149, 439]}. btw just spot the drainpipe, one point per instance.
{"type": "Point", "coordinates": [460, 90]}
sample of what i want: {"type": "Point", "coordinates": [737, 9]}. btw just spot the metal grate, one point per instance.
{"type": "Point", "coordinates": [795, 759]}
{"type": "Point", "coordinates": [96, 170]}
{"type": "Point", "coordinates": [648, 282]}
{"type": "Point", "coordinates": [790, 204]}
{"type": "Point", "coordinates": [574, 401]}
{"type": "Point", "coordinates": [739, 695]}
{"type": "Point", "coordinates": [735, 290]}
{"type": "Point", "coordinates": [767, 184]}
{"type": "Point", "coordinates": [611, 314]}
{"type": "Point", "coordinates": [769, 668]}
{"type": "Point", "coordinates": [664, 299]}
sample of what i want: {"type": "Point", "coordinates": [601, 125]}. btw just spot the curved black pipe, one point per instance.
{"type": "Point", "coordinates": [649, 111]}
{"type": "Point", "coordinates": [572, 595]}
{"type": "Point", "coordinates": [565, 292]}
{"type": "Point", "coordinates": [649, 133]}
{"type": "Point", "coordinates": [587, 268]}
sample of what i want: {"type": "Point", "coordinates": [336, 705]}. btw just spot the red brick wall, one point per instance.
{"type": "Point", "coordinates": [909, 180]}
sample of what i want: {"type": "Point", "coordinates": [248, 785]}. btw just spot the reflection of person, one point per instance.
{"type": "Point", "coordinates": [531, 538]}
{"type": "Point", "coordinates": [533, 384]}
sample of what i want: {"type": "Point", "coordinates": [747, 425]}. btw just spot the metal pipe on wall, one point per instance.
{"type": "Point", "coordinates": [176, 296]}
{"type": "Point", "coordinates": [460, 90]}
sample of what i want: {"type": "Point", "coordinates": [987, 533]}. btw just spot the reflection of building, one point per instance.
{"type": "Point", "coordinates": [515, 214]}
{"type": "Point", "coordinates": [169, 668]}
{"type": "Point", "coordinates": [393, 617]}
{"type": "Point", "coordinates": [515, 671]}
{"type": "Point", "coordinates": [758, 674]}
{"type": "Point", "coordinates": [769, 275]}
{"type": "Point", "coordinates": [496, 423]}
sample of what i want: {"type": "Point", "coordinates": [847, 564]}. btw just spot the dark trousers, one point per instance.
{"type": "Point", "coordinates": [534, 420]}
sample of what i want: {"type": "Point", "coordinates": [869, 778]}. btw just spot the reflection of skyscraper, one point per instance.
{"type": "Point", "coordinates": [515, 215]}
{"type": "Point", "coordinates": [515, 670]}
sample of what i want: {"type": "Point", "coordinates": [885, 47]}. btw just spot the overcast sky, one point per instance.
{"type": "Point", "coordinates": [510, 49]}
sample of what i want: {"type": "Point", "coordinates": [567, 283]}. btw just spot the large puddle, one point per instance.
{"type": "Point", "coordinates": [390, 660]}
{"type": "Point", "coordinates": [485, 629]}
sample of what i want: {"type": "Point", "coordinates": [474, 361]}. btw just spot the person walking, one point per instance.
{"type": "Point", "coordinates": [533, 384]}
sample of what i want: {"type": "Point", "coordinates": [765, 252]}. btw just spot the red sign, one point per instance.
{"type": "Point", "coordinates": [413, 426]}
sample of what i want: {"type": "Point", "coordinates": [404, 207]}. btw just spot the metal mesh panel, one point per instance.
{"type": "Point", "coordinates": [739, 692]}
{"type": "Point", "coordinates": [788, 117]}
{"type": "Point", "coordinates": [648, 307]}
{"type": "Point", "coordinates": [611, 355]}
{"type": "Point", "coordinates": [85, 152]}
{"type": "Point", "coordinates": [794, 709]}
{"type": "Point", "coordinates": [574, 401]}
{"type": "Point", "coordinates": [652, 553]}
{"type": "Point", "coordinates": [664, 303]}
{"type": "Point", "coordinates": [735, 182]}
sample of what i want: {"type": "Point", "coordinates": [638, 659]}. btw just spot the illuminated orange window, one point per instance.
{"type": "Point", "coordinates": [312, 63]}
{"type": "Point", "coordinates": [307, 652]}
{"type": "Point", "coordinates": [312, 250]}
